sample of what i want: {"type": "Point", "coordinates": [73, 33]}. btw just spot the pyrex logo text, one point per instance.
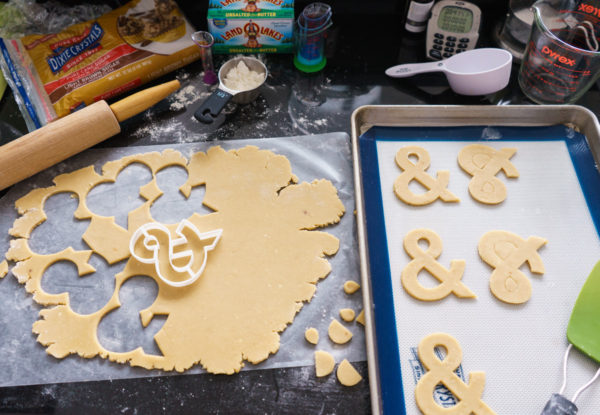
{"type": "Point", "coordinates": [558, 57]}
{"type": "Point", "coordinates": [589, 9]}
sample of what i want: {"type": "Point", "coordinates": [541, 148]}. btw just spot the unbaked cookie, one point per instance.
{"type": "Point", "coordinates": [506, 252]}
{"type": "Point", "coordinates": [347, 375]}
{"type": "Point", "coordinates": [436, 188]}
{"type": "Point", "coordinates": [311, 335]}
{"type": "Point", "coordinates": [450, 279]}
{"type": "Point", "coordinates": [483, 163]}
{"type": "Point", "coordinates": [324, 363]}
{"type": "Point", "coordinates": [338, 333]}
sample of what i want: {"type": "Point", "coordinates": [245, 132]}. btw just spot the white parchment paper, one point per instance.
{"type": "Point", "coordinates": [23, 361]}
{"type": "Point", "coordinates": [520, 348]}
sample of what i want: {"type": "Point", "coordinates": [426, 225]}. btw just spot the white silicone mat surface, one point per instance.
{"type": "Point", "coordinates": [520, 348]}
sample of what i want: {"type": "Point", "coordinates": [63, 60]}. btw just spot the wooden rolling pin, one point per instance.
{"type": "Point", "coordinates": [72, 134]}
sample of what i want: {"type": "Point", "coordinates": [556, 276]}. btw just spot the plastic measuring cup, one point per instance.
{"type": "Point", "coordinates": [311, 32]}
{"type": "Point", "coordinates": [560, 63]}
{"type": "Point", "coordinates": [475, 72]}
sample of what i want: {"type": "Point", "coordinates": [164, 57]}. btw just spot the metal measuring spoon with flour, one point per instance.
{"type": "Point", "coordinates": [239, 80]}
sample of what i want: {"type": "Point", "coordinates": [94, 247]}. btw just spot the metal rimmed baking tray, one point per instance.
{"type": "Point", "coordinates": [364, 118]}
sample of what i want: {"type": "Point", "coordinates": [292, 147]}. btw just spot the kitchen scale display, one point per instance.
{"type": "Point", "coordinates": [453, 28]}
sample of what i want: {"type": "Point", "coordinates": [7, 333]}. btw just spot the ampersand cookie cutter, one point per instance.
{"type": "Point", "coordinates": [442, 371]}
{"type": "Point", "coordinates": [164, 258]}
{"type": "Point", "coordinates": [450, 280]}
{"type": "Point", "coordinates": [483, 163]}
{"type": "Point", "coordinates": [506, 252]}
{"type": "Point", "coordinates": [437, 187]}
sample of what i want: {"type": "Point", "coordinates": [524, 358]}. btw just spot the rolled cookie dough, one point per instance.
{"type": "Point", "coordinates": [266, 218]}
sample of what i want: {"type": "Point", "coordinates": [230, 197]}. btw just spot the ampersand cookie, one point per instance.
{"type": "Point", "coordinates": [450, 280]}
{"type": "Point", "coordinates": [436, 187]}
{"type": "Point", "coordinates": [483, 163]}
{"type": "Point", "coordinates": [506, 252]}
{"type": "Point", "coordinates": [442, 371]}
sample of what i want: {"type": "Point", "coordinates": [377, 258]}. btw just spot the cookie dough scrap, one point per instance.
{"type": "Point", "coordinates": [324, 363]}
{"type": "Point", "coordinates": [442, 371]}
{"type": "Point", "coordinates": [506, 252]}
{"type": "Point", "coordinates": [347, 314]}
{"type": "Point", "coordinates": [347, 375]}
{"type": "Point", "coordinates": [350, 287]}
{"type": "Point", "coordinates": [450, 279]}
{"type": "Point", "coordinates": [338, 333]}
{"type": "Point", "coordinates": [3, 269]}
{"type": "Point", "coordinates": [483, 163]}
{"type": "Point", "coordinates": [361, 317]}
{"type": "Point", "coordinates": [261, 209]}
{"type": "Point", "coordinates": [436, 187]}
{"type": "Point", "coordinates": [312, 335]}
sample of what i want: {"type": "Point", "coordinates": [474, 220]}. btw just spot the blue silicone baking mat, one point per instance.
{"type": "Point", "coordinates": [519, 347]}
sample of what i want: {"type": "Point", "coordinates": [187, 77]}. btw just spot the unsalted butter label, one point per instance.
{"type": "Point", "coordinates": [239, 34]}
{"type": "Point", "coordinates": [251, 6]}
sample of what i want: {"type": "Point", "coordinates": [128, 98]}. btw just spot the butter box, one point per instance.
{"type": "Point", "coordinates": [250, 6]}
{"type": "Point", "coordinates": [244, 32]}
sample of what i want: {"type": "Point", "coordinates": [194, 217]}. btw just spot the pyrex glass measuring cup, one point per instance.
{"type": "Point", "coordinates": [562, 60]}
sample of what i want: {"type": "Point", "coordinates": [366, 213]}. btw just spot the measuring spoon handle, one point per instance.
{"type": "Point", "coordinates": [212, 106]}
{"type": "Point", "coordinates": [410, 69]}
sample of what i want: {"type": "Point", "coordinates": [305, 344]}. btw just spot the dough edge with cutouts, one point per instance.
{"type": "Point", "coordinates": [263, 181]}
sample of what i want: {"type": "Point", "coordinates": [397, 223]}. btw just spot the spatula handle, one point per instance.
{"type": "Point", "coordinates": [559, 405]}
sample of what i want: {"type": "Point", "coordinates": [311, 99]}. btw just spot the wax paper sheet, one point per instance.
{"type": "Point", "coordinates": [519, 347]}
{"type": "Point", "coordinates": [23, 361]}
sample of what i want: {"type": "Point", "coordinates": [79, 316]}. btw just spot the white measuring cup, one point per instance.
{"type": "Point", "coordinates": [475, 72]}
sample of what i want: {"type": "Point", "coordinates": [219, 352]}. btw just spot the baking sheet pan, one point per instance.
{"type": "Point", "coordinates": [554, 198]}
{"type": "Point", "coordinates": [23, 361]}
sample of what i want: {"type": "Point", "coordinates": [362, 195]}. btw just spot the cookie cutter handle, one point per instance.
{"type": "Point", "coordinates": [212, 106]}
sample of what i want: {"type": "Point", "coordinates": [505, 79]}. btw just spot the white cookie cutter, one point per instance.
{"type": "Point", "coordinates": [151, 244]}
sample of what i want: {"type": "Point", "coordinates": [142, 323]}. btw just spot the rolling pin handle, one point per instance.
{"type": "Point", "coordinates": [213, 106]}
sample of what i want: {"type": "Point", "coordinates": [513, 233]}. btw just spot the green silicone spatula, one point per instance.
{"type": "Point", "coordinates": [583, 332]}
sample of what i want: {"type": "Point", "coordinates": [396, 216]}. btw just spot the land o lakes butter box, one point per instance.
{"type": "Point", "coordinates": [264, 31]}
{"type": "Point", "coordinates": [251, 6]}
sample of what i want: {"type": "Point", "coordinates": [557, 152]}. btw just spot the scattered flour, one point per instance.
{"type": "Point", "coordinates": [186, 96]}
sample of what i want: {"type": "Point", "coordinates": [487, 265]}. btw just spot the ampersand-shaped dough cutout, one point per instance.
{"type": "Point", "coordinates": [483, 163]}
{"type": "Point", "coordinates": [506, 252]}
{"type": "Point", "coordinates": [437, 187]}
{"type": "Point", "coordinates": [450, 279]}
{"type": "Point", "coordinates": [442, 371]}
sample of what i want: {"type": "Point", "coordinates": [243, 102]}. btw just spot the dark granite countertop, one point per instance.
{"type": "Point", "coordinates": [291, 103]}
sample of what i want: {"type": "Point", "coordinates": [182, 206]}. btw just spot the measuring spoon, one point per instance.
{"type": "Point", "coordinates": [475, 72]}
{"type": "Point", "coordinates": [213, 105]}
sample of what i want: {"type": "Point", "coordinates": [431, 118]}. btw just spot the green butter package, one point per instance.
{"type": "Point", "coordinates": [264, 31]}
{"type": "Point", "coordinates": [251, 6]}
